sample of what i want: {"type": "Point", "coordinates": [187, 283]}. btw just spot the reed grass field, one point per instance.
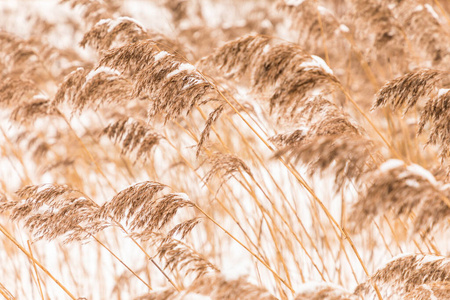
{"type": "Point", "coordinates": [225, 149]}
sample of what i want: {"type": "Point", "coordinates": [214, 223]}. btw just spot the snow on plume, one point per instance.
{"type": "Point", "coordinates": [316, 62]}
{"type": "Point", "coordinates": [161, 54]}
{"type": "Point", "coordinates": [113, 23]}
{"type": "Point", "coordinates": [182, 67]}
{"type": "Point", "coordinates": [442, 92]}
{"type": "Point", "coordinates": [102, 69]}
{"type": "Point", "coordinates": [419, 171]}
{"type": "Point", "coordinates": [344, 28]}
{"type": "Point", "coordinates": [391, 164]}
{"type": "Point", "coordinates": [294, 2]}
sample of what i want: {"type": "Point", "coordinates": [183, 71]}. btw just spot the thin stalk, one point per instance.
{"type": "Point", "coordinates": [14, 241]}
{"type": "Point", "coordinates": [307, 187]}
{"type": "Point", "coordinates": [35, 271]}
{"type": "Point", "coordinates": [18, 156]}
{"type": "Point", "coordinates": [294, 211]}
{"type": "Point", "coordinates": [245, 247]}
{"type": "Point", "coordinates": [125, 265]}
{"type": "Point", "coordinates": [268, 198]}
{"type": "Point", "coordinates": [212, 193]}
{"type": "Point", "coordinates": [438, 4]}
{"type": "Point", "coordinates": [94, 161]}
{"type": "Point", "coordinates": [324, 41]}
{"type": "Point", "coordinates": [5, 293]}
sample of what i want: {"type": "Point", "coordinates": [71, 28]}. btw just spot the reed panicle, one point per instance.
{"type": "Point", "coordinates": [435, 112]}
{"type": "Point", "coordinates": [51, 211]}
{"type": "Point", "coordinates": [406, 90]}
{"type": "Point", "coordinates": [93, 10]}
{"type": "Point", "coordinates": [134, 137]}
{"type": "Point", "coordinates": [222, 150]}
{"type": "Point", "coordinates": [434, 290]}
{"type": "Point", "coordinates": [212, 118]}
{"type": "Point", "coordinates": [175, 87]}
{"type": "Point", "coordinates": [103, 34]}
{"type": "Point", "coordinates": [430, 44]}
{"type": "Point", "coordinates": [225, 166]}
{"type": "Point", "coordinates": [403, 189]}
{"type": "Point", "coordinates": [178, 255]}
{"type": "Point", "coordinates": [272, 62]}
{"type": "Point", "coordinates": [40, 106]}
{"type": "Point", "coordinates": [314, 24]}
{"type": "Point", "coordinates": [375, 25]}
{"type": "Point", "coordinates": [14, 91]}
{"type": "Point", "coordinates": [324, 291]}
{"type": "Point", "coordinates": [326, 138]}
{"type": "Point", "coordinates": [404, 273]}
{"type": "Point", "coordinates": [215, 287]}
{"type": "Point", "coordinates": [93, 87]}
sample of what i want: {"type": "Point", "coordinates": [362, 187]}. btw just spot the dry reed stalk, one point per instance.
{"type": "Point", "coordinates": [231, 164]}
{"type": "Point", "coordinates": [319, 68]}
{"type": "Point", "coordinates": [11, 238]}
{"type": "Point", "coordinates": [6, 293]}
{"type": "Point", "coordinates": [36, 272]}
{"type": "Point", "coordinates": [261, 258]}
{"type": "Point", "coordinates": [308, 128]}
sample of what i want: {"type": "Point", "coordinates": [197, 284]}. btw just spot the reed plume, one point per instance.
{"type": "Point", "coordinates": [268, 62]}
{"type": "Point", "coordinates": [405, 273]}
{"type": "Point", "coordinates": [50, 211]}
{"type": "Point", "coordinates": [215, 287]}
{"type": "Point", "coordinates": [175, 87]}
{"type": "Point", "coordinates": [92, 88]}
{"type": "Point", "coordinates": [400, 189]}
{"type": "Point", "coordinates": [406, 90]}
{"type": "Point", "coordinates": [324, 291]}
{"type": "Point", "coordinates": [134, 137]}
{"type": "Point", "coordinates": [222, 150]}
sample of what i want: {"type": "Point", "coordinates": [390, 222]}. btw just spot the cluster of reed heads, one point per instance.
{"type": "Point", "coordinates": [296, 149]}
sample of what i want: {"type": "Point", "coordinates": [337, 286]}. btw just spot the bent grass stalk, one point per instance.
{"type": "Point", "coordinates": [310, 190]}
{"type": "Point", "coordinates": [233, 139]}
{"type": "Point", "coordinates": [30, 256]}
{"type": "Point", "coordinates": [38, 280]}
